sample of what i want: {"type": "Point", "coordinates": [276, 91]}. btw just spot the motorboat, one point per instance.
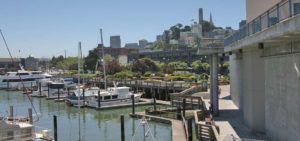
{"type": "Point", "coordinates": [112, 97]}
{"type": "Point", "coordinates": [13, 80]}
{"type": "Point", "coordinates": [79, 97]}
{"type": "Point", "coordinates": [21, 129]}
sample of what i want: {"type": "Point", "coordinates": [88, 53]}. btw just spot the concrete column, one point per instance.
{"type": "Point", "coordinates": [214, 84]}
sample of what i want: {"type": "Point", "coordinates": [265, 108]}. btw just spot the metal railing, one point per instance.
{"type": "Point", "coordinates": [281, 11]}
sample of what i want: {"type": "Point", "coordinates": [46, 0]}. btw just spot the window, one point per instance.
{"type": "Point", "coordinates": [114, 96]}
{"type": "Point", "coordinates": [106, 97]}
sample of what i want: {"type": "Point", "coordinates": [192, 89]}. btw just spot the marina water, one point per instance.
{"type": "Point", "coordinates": [103, 125]}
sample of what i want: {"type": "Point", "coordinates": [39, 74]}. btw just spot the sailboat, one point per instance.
{"type": "Point", "coordinates": [20, 128]}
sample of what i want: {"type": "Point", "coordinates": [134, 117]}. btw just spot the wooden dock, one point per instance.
{"type": "Point", "coordinates": [178, 130]}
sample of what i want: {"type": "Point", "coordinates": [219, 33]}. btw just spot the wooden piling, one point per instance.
{"type": "Point", "coordinates": [99, 104]}
{"type": "Point", "coordinates": [40, 88]}
{"type": "Point", "coordinates": [154, 103]}
{"type": "Point", "coordinates": [48, 90]}
{"type": "Point", "coordinates": [133, 106]}
{"type": "Point", "coordinates": [55, 127]}
{"type": "Point", "coordinates": [30, 115]}
{"type": "Point", "coordinates": [190, 127]}
{"type": "Point", "coordinates": [11, 111]}
{"type": "Point", "coordinates": [183, 107]}
{"type": "Point", "coordinates": [83, 94]}
{"type": "Point", "coordinates": [122, 128]}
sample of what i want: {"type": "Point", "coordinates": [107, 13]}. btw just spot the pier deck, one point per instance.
{"type": "Point", "coordinates": [230, 119]}
{"type": "Point", "coordinates": [178, 130]}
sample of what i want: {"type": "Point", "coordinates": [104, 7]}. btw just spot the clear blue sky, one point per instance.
{"type": "Point", "coordinates": [45, 28]}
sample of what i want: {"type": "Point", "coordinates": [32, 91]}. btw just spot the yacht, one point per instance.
{"type": "Point", "coordinates": [112, 97]}
{"type": "Point", "coordinates": [11, 80]}
{"type": "Point", "coordinates": [79, 98]}
{"type": "Point", "coordinates": [20, 129]}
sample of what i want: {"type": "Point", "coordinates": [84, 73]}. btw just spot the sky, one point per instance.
{"type": "Point", "coordinates": [46, 28]}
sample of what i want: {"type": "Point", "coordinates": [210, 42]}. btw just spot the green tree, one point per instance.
{"type": "Point", "coordinates": [92, 59]}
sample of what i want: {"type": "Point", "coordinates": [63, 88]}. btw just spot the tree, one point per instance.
{"type": "Point", "coordinates": [197, 66]}
{"type": "Point", "coordinates": [207, 26]}
{"type": "Point", "coordinates": [92, 59]}
{"type": "Point", "coordinates": [143, 65]}
{"type": "Point", "coordinates": [55, 60]}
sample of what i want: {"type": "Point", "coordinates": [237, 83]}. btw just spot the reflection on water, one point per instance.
{"type": "Point", "coordinates": [95, 125]}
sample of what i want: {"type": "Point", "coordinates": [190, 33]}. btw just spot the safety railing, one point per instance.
{"type": "Point", "coordinates": [281, 11]}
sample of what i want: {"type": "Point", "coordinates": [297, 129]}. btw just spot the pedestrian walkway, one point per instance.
{"type": "Point", "coordinates": [178, 131]}
{"type": "Point", "coordinates": [230, 119]}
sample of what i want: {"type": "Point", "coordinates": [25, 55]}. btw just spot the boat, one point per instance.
{"type": "Point", "coordinates": [13, 80]}
{"type": "Point", "coordinates": [21, 129]}
{"type": "Point", "coordinates": [113, 96]}
{"type": "Point", "coordinates": [81, 95]}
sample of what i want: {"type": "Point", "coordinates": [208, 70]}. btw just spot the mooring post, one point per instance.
{"type": "Point", "coordinates": [11, 111]}
{"type": "Point", "coordinates": [48, 90]}
{"type": "Point", "coordinates": [122, 128]}
{"type": "Point", "coordinates": [190, 129]}
{"type": "Point", "coordinates": [31, 87]}
{"type": "Point", "coordinates": [40, 87]}
{"type": "Point", "coordinates": [58, 94]}
{"type": "Point", "coordinates": [99, 104]}
{"type": "Point", "coordinates": [183, 107]}
{"type": "Point", "coordinates": [132, 99]}
{"type": "Point", "coordinates": [83, 94]}
{"type": "Point", "coordinates": [154, 103]}
{"type": "Point", "coordinates": [30, 115]}
{"type": "Point", "coordinates": [55, 127]}
{"type": "Point", "coordinates": [68, 89]}
{"type": "Point", "coordinates": [178, 112]}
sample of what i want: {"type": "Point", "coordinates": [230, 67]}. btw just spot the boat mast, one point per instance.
{"type": "Point", "coordinates": [78, 84]}
{"type": "Point", "coordinates": [103, 59]}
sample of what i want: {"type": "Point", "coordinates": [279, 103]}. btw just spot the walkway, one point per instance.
{"type": "Point", "coordinates": [230, 119]}
{"type": "Point", "coordinates": [178, 131]}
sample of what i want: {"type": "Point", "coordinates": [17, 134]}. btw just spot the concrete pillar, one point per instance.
{"type": "Point", "coordinates": [214, 84]}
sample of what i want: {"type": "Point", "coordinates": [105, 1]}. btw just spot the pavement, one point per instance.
{"type": "Point", "coordinates": [230, 119]}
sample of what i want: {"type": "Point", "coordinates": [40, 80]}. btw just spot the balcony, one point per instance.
{"type": "Point", "coordinates": [281, 12]}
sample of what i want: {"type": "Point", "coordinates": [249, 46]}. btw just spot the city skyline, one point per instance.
{"type": "Point", "coordinates": [46, 29]}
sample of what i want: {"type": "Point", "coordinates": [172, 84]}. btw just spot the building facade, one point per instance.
{"type": "Point", "coordinates": [264, 68]}
{"type": "Point", "coordinates": [115, 41]}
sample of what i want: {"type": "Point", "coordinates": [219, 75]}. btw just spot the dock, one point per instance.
{"type": "Point", "coordinates": [178, 130]}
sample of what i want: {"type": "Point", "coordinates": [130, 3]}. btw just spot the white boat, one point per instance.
{"type": "Point", "coordinates": [20, 129]}
{"type": "Point", "coordinates": [112, 97]}
{"type": "Point", "coordinates": [80, 98]}
{"type": "Point", "coordinates": [11, 80]}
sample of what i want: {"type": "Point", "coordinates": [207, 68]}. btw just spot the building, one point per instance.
{"type": "Point", "coordinates": [200, 14]}
{"type": "Point", "coordinates": [6, 64]}
{"type": "Point", "coordinates": [132, 45]}
{"type": "Point", "coordinates": [264, 68]}
{"type": "Point", "coordinates": [31, 63]}
{"type": "Point", "coordinates": [143, 43]}
{"type": "Point", "coordinates": [159, 38]}
{"type": "Point", "coordinates": [121, 54]}
{"type": "Point", "coordinates": [115, 41]}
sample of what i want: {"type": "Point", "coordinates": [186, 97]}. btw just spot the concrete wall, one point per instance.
{"type": "Point", "coordinates": [253, 89]}
{"type": "Point", "coordinates": [257, 7]}
{"type": "Point", "coordinates": [283, 97]}
{"type": "Point", "coordinates": [248, 86]}
{"type": "Point", "coordinates": [236, 79]}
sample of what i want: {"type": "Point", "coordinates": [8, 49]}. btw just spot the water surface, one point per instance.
{"type": "Point", "coordinates": [95, 125]}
